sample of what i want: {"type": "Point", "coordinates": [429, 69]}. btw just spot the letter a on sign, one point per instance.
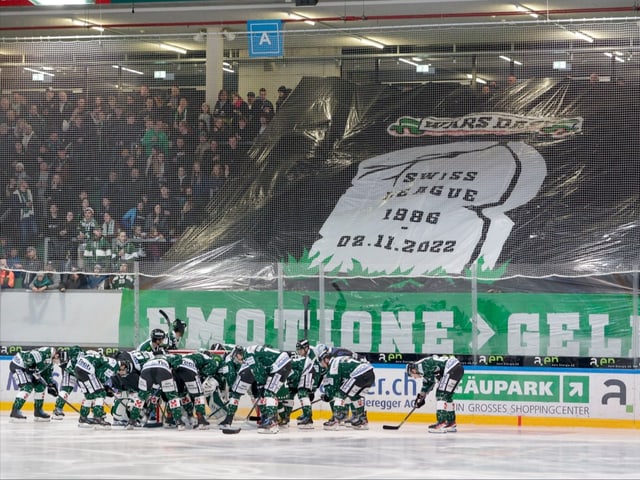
{"type": "Point", "coordinates": [265, 38]}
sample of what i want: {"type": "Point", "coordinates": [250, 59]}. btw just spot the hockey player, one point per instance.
{"type": "Point", "coordinates": [157, 371]}
{"type": "Point", "coordinates": [346, 378]}
{"type": "Point", "coordinates": [187, 371]}
{"type": "Point", "coordinates": [155, 343]}
{"type": "Point", "coordinates": [175, 334]}
{"type": "Point", "coordinates": [68, 380]}
{"type": "Point", "coordinates": [301, 382]}
{"type": "Point", "coordinates": [446, 373]}
{"type": "Point", "coordinates": [269, 368]}
{"type": "Point", "coordinates": [93, 371]}
{"type": "Point", "coordinates": [32, 371]}
{"type": "Point", "coordinates": [126, 384]}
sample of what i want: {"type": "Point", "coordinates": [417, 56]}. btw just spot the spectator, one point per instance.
{"type": "Point", "coordinates": [7, 277]}
{"type": "Point", "coordinates": [156, 245]}
{"type": "Point", "coordinates": [57, 192]}
{"type": "Point", "coordinates": [68, 230]}
{"type": "Point", "coordinates": [163, 112]}
{"type": "Point", "coordinates": [110, 227]}
{"type": "Point", "coordinates": [31, 265]}
{"type": "Point", "coordinates": [23, 208]}
{"type": "Point", "coordinates": [187, 218]}
{"type": "Point", "coordinates": [97, 250]}
{"type": "Point", "coordinates": [283, 94]}
{"type": "Point", "coordinates": [240, 108]}
{"type": "Point", "coordinates": [154, 136]}
{"type": "Point", "coordinates": [205, 116]}
{"type": "Point", "coordinates": [265, 104]}
{"type": "Point", "coordinates": [15, 263]}
{"type": "Point", "coordinates": [203, 146]}
{"type": "Point", "coordinates": [136, 216]}
{"type": "Point", "coordinates": [122, 279]}
{"type": "Point", "coordinates": [53, 275]}
{"type": "Point", "coordinates": [85, 228]}
{"type": "Point", "coordinates": [134, 186]}
{"type": "Point", "coordinates": [223, 108]}
{"type": "Point", "coordinates": [124, 250]}
{"type": "Point", "coordinates": [74, 281]}
{"type": "Point", "coordinates": [40, 283]}
{"type": "Point", "coordinates": [51, 227]}
{"type": "Point", "coordinates": [97, 280]}
{"type": "Point", "coordinates": [158, 221]}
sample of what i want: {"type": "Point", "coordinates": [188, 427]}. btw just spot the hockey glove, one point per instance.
{"type": "Point", "coordinates": [312, 395]}
{"type": "Point", "coordinates": [325, 398]}
{"type": "Point", "coordinates": [420, 400]}
{"type": "Point", "coordinates": [52, 389]}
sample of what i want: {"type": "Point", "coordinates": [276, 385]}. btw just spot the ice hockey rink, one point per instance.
{"type": "Point", "coordinates": [62, 450]}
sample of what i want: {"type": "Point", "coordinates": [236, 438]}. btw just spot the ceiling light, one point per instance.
{"type": "Point", "coordinates": [166, 46]}
{"type": "Point", "coordinates": [416, 59]}
{"type": "Point", "coordinates": [295, 16]}
{"type": "Point", "coordinates": [39, 71]}
{"type": "Point", "coordinates": [372, 43]}
{"type": "Point", "coordinates": [583, 36]}
{"type": "Point", "coordinates": [408, 61]}
{"type": "Point", "coordinates": [516, 62]}
{"type": "Point", "coordinates": [130, 70]}
{"type": "Point", "coordinates": [526, 10]}
{"type": "Point", "coordinates": [506, 59]}
{"type": "Point", "coordinates": [608, 54]}
{"type": "Point", "coordinates": [618, 59]}
{"type": "Point", "coordinates": [228, 70]}
{"type": "Point", "coordinates": [478, 79]}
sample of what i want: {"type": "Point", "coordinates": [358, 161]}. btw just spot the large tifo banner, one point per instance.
{"type": "Point", "coordinates": [535, 180]}
{"type": "Point", "coordinates": [497, 395]}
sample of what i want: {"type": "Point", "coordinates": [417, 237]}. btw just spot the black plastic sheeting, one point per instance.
{"type": "Point", "coordinates": [582, 222]}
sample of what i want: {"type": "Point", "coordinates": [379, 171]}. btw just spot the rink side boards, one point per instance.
{"type": "Point", "coordinates": [489, 395]}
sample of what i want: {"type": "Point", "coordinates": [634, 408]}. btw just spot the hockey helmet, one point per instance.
{"type": "Point", "coordinates": [321, 348]}
{"type": "Point", "coordinates": [325, 356]}
{"type": "Point", "coordinates": [217, 347]}
{"type": "Point", "coordinates": [179, 326]}
{"type": "Point", "coordinates": [158, 334]}
{"type": "Point", "coordinates": [237, 351]}
{"type": "Point", "coordinates": [302, 344]}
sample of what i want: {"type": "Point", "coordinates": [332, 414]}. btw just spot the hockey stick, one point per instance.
{"type": "Point", "coordinates": [253, 407]}
{"type": "Point", "coordinates": [300, 408]}
{"type": "Point", "coordinates": [396, 427]}
{"type": "Point", "coordinates": [73, 407]}
{"type": "Point", "coordinates": [305, 303]}
{"type": "Point", "coordinates": [166, 317]}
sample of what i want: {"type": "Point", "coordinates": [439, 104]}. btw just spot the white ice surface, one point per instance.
{"type": "Point", "coordinates": [61, 450]}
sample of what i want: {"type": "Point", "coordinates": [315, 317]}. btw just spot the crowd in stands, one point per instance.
{"type": "Point", "coordinates": [92, 184]}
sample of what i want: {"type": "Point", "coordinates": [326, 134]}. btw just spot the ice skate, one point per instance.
{"type": "Point", "coordinates": [305, 423]}
{"type": "Point", "coordinates": [100, 423]}
{"type": "Point", "coordinates": [85, 422]}
{"type": "Point", "coordinates": [269, 425]}
{"type": "Point", "coordinates": [17, 416]}
{"type": "Point", "coordinates": [40, 415]}
{"type": "Point", "coordinates": [443, 427]}
{"type": "Point", "coordinates": [58, 414]}
{"type": "Point", "coordinates": [360, 422]}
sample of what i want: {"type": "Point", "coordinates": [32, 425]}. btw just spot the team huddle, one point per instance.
{"type": "Point", "coordinates": [154, 385]}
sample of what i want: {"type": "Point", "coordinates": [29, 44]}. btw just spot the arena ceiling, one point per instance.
{"type": "Point", "coordinates": [448, 27]}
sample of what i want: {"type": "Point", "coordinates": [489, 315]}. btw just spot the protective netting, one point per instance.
{"type": "Point", "coordinates": [462, 153]}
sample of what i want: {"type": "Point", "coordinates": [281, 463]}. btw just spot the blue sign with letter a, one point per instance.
{"type": "Point", "coordinates": [265, 38]}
